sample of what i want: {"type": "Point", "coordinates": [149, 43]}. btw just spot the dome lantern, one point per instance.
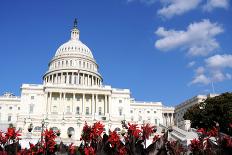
{"type": "Point", "coordinates": [75, 33]}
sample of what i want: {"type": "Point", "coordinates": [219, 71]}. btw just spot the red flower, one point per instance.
{"type": "Point", "coordinates": [213, 132]}
{"type": "Point", "coordinates": [12, 134]}
{"type": "Point", "coordinates": [196, 145]}
{"type": "Point", "coordinates": [97, 130]}
{"type": "Point", "coordinates": [3, 138]}
{"type": "Point", "coordinates": [72, 149]}
{"type": "Point", "coordinates": [86, 133]}
{"type": "Point", "coordinates": [133, 129]}
{"type": "Point", "coordinates": [122, 150]}
{"type": "Point", "coordinates": [89, 151]}
{"type": "Point", "coordinates": [147, 131]}
{"type": "Point", "coordinates": [202, 131]}
{"type": "Point", "coordinates": [49, 137]}
{"type": "Point", "coordinates": [114, 139]}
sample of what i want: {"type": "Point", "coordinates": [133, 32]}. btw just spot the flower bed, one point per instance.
{"type": "Point", "coordinates": [130, 142]}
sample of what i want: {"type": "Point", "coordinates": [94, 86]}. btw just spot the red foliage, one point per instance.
{"type": "Point", "coordinates": [89, 151]}
{"type": "Point", "coordinates": [96, 130]}
{"type": "Point", "coordinates": [122, 150]}
{"type": "Point", "coordinates": [147, 131]}
{"type": "Point", "coordinates": [12, 134]}
{"type": "Point", "coordinates": [133, 129]}
{"type": "Point", "coordinates": [49, 140]}
{"type": "Point", "coordinates": [86, 133]}
{"type": "Point", "coordinates": [196, 145]}
{"type": "Point", "coordinates": [114, 139]}
{"type": "Point", "coordinates": [72, 149]}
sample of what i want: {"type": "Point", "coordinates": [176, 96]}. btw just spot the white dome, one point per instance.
{"type": "Point", "coordinates": [75, 47]}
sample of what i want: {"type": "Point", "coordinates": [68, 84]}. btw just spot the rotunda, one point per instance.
{"type": "Point", "coordinates": [73, 64]}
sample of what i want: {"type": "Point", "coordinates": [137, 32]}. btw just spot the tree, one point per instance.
{"type": "Point", "coordinates": [213, 110]}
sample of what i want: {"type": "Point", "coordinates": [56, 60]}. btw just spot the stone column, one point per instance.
{"type": "Point", "coordinates": [52, 78]}
{"type": "Point", "coordinates": [60, 105]}
{"type": "Point", "coordinates": [67, 79]}
{"type": "Point", "coordinates": [105, 104]}
{"type": "Point", "coordinates": [83, 99]}
{"type": "Point", "coordinates": [64, 100]}
{"type": "Point", "coordinates": [73, 99]}
{"type": "Point", "coordinates": [96, 105]}
{"type": "Point", "coordinates": [50, 104]}
{"type": "Point", "coordinates": [78, 78]}
{"type": "Point", "coordinates": [72, 79]}
{"type": "Point", "coordinates": [109, 105]}
{"type": "Point", "coordinates": [92, 105]}
{"type": "Point", "coordinates": [92, 80]}
{"type": "Point", "coordinates": [46, 96]}
{"type": "Point", "coordinates": [107, 111]}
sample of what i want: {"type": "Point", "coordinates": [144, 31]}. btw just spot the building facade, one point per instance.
{"type": "Point", "coordinates": [181, 109]}
{"type": "Point", "coordinates": [73, 93]}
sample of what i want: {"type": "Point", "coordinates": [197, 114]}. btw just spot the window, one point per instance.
{"type": "Point", "coordinates": [148, 112]}
{"type": "Point", "coordinates": [120, 101]}
{"type": "Point", "coordinates": [10, 108]}
{"type": "Point", "coordinates": [120, 111]}
{"type": "Point", "coordinates": [18, 108]}
{"type": "Point", "coordinates": [0, 107]}
{"type": "Point", "coordinates": [131, 111]}
{"type": "Point", "coordinates": [9, 118]}
{"type": "Point", "coordinates": [78, 110]}
{"type": "Point", "coordinates": [32, 97]}
{"type": "Point", "coordinates": [87, 111]}
{"type": "Point", "coordinates": [155, 121]}
{"type": "Point", "coordinates": [154, 112]}
{"type": "Point", "coordinates": [99, 111]}
{"type": "Point", "coordinates": [31, 108]}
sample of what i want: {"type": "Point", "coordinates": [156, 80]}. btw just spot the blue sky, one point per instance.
{"type": "Point", "coordinates": [162, 50]}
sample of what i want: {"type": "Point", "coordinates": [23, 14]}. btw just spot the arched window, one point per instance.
{"type": "Point", "coordinates": [70, 62]}
{"type": "Point", "coordinates": [71, 131]}
{"type": "Point", "coordinates": [100, 111]}
{"type": "Point", "coordinates": [78, 110]}
{"type": "Point", "coordinates": [87, 110]}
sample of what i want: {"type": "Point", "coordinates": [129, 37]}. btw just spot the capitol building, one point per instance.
{"type": "Point", "coordinates": [73, 93]}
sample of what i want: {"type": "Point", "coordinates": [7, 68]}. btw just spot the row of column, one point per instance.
{"type": "Point", "coordinates": [73, 78]}
{"type": "Point", "coordinates": [168, 119]}
{"type": "Point", "coordinates": [62, 103]}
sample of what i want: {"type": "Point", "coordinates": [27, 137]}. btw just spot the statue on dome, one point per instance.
{"type": "Point", "coordinates": [75, 23]}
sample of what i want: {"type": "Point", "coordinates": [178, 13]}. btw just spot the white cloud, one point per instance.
{"type": "Point", "coordinates": [191, 64]}
{"type": "Point", "coordinates": [200, 79]}
{"type": "Point", "coordinates": [211, 4]}
{"type": "Point", "coordinates": [198, 39]}
{"type": "Point", "coordinates": [214, 70]}
{"type": "Point", "coordinates": [219, 61]}
{"type": "Point", "coordinates": [177, 7]}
